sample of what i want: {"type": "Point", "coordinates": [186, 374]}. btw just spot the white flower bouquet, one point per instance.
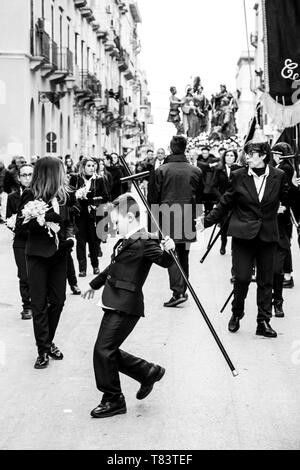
{"type": "Point", "coordinates": [11, 222]}
{"type": "Point", "coordinates": [36, 210]}
{"type": "Point", "coordinates": [81, 193]}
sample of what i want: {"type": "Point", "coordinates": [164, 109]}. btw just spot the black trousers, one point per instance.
{"type": "Point", "coordinates": [71, 274]}
{"type": "Point", "coordinates": [47, 282]}
{"type": "Point", "coordinates": [244, 254]}
{"type": "Point", "coordinates": [177, 283]}
{"type": "Point", "coordinates": [20, 259]}
{"type": "Point", "coordinates": [109, 360]}
{"type": "Point", "coordinates": [87, 235]}
{"type": "Point", "coordinates": [281, 254]}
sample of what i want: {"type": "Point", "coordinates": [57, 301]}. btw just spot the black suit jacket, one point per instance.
{"type": "Point", "coordinates": [179, 186]}
{"type": "Point", "coordinates": [13, 203]}
{"type": "Point", "coordinates": [250, 217]}
{"type": "Point", "coordinates": [124, 278]}
{"type": "Point", "coordinates": [39, 243]}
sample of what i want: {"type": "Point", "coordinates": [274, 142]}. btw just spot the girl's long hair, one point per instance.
{"type": "Point", "coordinates": [84, 162]}
{"type": "Point", "coordinates": [49, 180]}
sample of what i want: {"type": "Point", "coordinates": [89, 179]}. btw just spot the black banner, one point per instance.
{"type": "Point", "coordinates": [282, 48]}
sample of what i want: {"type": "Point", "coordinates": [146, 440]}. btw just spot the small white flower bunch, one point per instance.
{"type": "Point", "coordinates": [11, 222]}
{"type": "Point", "coordinates": [35, 210]}
{"type": "Point", "coordinates": [81, 193]}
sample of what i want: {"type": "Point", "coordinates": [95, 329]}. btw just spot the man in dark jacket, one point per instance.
{"type": "Point", "coordinates": [209, 165]}
{"type": "Point", "coordinates": [174, 191]}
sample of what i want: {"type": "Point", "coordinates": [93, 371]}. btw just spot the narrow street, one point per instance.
{"type": "Point", "coordinates": [197, 405]}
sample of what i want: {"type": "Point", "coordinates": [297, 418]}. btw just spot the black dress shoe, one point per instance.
{"type": "Point", "coordinates": [288, 284]}
{"type": "Point", "coordinates": [279, 313]}
{"type": "Point", "coordinates": [96, 271]}
{"type": "Point", "coordinates": [42, 361]}
{"type": "Point", "coordinates": [26, 314]}
{"type": "Point", "coordinates": [107, 409]}
{"type": "Point", "coordinates": [82, 274]}
{"type": "Point", "coordinates": [154, 375]}
{"type": "Point", "coordinates": [223, 250]}
{"type": "Point", "coordinates": [75, 290]}
{"type": "Point", "coordinates": [176, 300]}
{"type": "Point", "coordinates": [55, 353]}
{"type": "Point", "coordinates": [264, 329]}
{"type": "Point", "coordinates": [234, 323]}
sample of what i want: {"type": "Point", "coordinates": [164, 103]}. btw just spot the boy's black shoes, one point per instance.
{"type": "Point", "coordinates": [82, 274]}
{"type": "Point", "coordinates": [176, 300]}
{"type": "Point", "coordinates": [42, 361]}
{"type": "Point", "coordinates": [55, 353]}
{"type": "Point", "coordinates": [107, 408]}
{"type": "Point", "coordinates": [154, 375]}
{"type": "Point", "coordinates": [96, 271]}
{"type": "Point", "coordinates": [264, 329]}
{"type": "Point", "coordinates": [234, 323]}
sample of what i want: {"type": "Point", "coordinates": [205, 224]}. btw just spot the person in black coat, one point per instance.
{"type": "Point", "coordinates": [90, 192]}
{"type": "Point", "coordinates": [174, 191]}
{"type": "Point", "coordinates": [46, 253]}
{"type": "Point", "coordinates": [280, 153]}
{"type": "Point", "coordinates": [123, 306]}
{"type": "Point", "coordinates": [13, 201]}
{"type": "Point", "coordinates": [209, 165]}
{"type": "Point", "coordinates": [11, 181]}
{"type": "Point", "coordinates": [253, 197]}
{"type": "Point", "coordinates": [229, 165]}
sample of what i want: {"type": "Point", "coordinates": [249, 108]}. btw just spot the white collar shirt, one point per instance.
{"type": "Point", "coordinates": [260, 181]}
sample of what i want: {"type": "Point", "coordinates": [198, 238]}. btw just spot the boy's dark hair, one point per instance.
{"type": "Point", "coordinates": [126, 203]}
{"type": "Point", "coordinates": [205, 148]}
{"type": "Point", "coordinates": [260, 147]}
{"type": "Point", "coordinates": [178, 144]}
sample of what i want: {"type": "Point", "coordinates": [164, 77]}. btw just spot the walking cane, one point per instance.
{"type": "Point", "coordinates": [212, 236]}
{"type": "Point", "coordinates": [210, 246]}
{"type": "Point", "coordinates": [227, 301]}
{"type": "Point", "coordinates": [133, 178]}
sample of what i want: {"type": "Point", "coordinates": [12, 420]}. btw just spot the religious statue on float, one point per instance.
{"type": "Point", "coordinates": [174, 113]}
{"type": "Point", "coordinates": [195, 109]}
{"type": "Point", "coordinates": [224, 107]}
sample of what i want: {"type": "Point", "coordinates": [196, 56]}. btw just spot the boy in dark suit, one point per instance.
{"type": "Point", "coordinates": [123, 305]}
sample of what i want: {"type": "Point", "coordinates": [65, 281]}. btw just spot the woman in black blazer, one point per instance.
{"type": "Point", "coordinates": [253, 196]}
{"type": "Point", "coordinates": [229, 165]}
{"type": "Point", "coordinates": [86, 222]}
{"type": "Point", "coordinates": [46, 253]}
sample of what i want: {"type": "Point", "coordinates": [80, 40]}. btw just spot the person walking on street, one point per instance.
{"type": "Point", "coordinates": [174, 191]}
{"type": "Point", "coordinates": [44, 214]}
{"type": "Point", "coordinates": [13, 201]}
{"type": "Point", "coordinates": [253, 197]}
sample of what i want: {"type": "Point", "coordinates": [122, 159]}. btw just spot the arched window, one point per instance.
{"type": "Point", "coordinates": [32, 128]}
{"type": "Point", "coordinates": [43, 131]}
{"type": "Point", "coordinates": [61, 134]}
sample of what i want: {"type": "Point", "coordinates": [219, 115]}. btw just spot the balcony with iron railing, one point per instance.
{"type": "Point", "coordinates": [65, 60]}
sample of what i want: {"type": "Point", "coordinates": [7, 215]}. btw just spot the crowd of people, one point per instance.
{"type": "Point", "coordinates": [53, 204]}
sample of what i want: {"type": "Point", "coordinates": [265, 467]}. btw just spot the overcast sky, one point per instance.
{"type": "Point", "coordinates": [184, 38]}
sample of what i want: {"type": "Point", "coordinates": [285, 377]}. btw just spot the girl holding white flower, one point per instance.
{"type": "Point", "coordinates": [90, 192]}
{"type": "Point", "coordinates": [44, 214]}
